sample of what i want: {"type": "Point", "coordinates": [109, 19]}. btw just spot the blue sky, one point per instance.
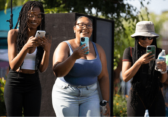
{"type": "Point", "coordinates": [156, 6]}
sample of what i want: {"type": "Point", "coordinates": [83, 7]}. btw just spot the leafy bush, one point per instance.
{"type": "Point", "coordinates": [120, 105]}
{"type": "Point", "coordinates": [2, 103]}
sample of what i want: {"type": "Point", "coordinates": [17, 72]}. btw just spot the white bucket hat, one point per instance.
{"type": "Point", "coordinates": [145, 28]}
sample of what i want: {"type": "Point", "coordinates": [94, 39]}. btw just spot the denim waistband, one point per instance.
{"type": "Point", "coordinates": [59, 82]}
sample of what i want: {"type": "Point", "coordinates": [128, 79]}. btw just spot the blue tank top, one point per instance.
{"type": "Point", "coordinates": [84, 72]}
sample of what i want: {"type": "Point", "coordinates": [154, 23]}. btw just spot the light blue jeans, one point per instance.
{"type": "Point", "coordinates": [75, 101]}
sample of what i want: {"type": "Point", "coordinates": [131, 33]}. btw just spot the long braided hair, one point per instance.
{"type": "Point", "coordinates": [23, 19]}
{"type": "Point", "coordinates": [23, 27]}
{"type": "Point", "coordinates": [152, 87]}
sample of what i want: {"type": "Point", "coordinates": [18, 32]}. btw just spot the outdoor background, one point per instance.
{"type": "Point", "coordinates": [125, 14]}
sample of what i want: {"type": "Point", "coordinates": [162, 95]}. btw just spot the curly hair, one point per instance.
{"type": "Point", "coordinates": [152, 87]}
{"type": "Point", "coordinates": [23, 19]}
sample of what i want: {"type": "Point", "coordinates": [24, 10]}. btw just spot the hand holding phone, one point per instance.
{"type": "Point", "coordinates": [85, 40]}
{"type": "Point", "coordinates": [40, 33]}
{"type": "Point", "coordinates": [152, 49]}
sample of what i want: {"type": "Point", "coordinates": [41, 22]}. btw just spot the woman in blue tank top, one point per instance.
{"type": "Point", "coordinates": [75, 90]}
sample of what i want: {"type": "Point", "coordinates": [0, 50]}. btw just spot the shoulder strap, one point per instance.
{"type": "Point", "coordinates": [95, 48]}
{"type": "Point", "coordinates": [131, 54]}
{"type": "Point", "coordinates": [131, 51]}
{"type": "Point", "coordinates": [70, 48]}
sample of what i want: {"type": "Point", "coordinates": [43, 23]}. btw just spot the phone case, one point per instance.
{"type": "Point", "coordinates": [151, 48]}
{"type": "Point", "coordinates": [85, 40]}
{"type": "Point", "coordinates": [40, 33]}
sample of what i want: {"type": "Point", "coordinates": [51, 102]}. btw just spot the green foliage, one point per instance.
{"type": "Point", "coordinates": [14, 3]}
{"type": "Point", "coordinates": [158, 21]}
{"type": "Point", "coordinates": [124, 39]}
{"type": "Point", "coordinates": [120, 105]}
{"type": "Point", "coordinates": [2, 103]}
{"type": "Point", "coordinates": [55, 10]}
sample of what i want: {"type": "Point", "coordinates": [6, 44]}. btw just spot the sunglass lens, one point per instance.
{"type": "Point", "coordinates": [150, 38]}
{"type": "Point", "coordinates": [143, 38]}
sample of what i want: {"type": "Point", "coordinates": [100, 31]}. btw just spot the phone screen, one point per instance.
{"type": "Point", "coordinates": [85, 40]}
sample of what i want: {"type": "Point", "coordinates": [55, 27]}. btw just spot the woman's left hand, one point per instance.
{"type": "Point", "coordinates": [45, 42]}
{"type": "Point", "coordinates": [108, 110]}
{"type": "Point", "coordinates": [161, 65]}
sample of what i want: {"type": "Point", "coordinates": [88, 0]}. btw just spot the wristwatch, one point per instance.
{"type": "Point", "coordinates": [164, 72]}
{"type": "Point", "coordinates": [104, 101]}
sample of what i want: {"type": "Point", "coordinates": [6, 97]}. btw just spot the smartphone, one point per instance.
{"type": "Point", "coordinates": [85, 40]}
{"type": "Point", "coordinates": [151, 48]}
{"type": "Point", "coordinates": [40, 33]}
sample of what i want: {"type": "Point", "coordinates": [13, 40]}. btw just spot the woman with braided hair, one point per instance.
{"type": "Point", "coordinates": [138, 66]}
{"type": "Point", "coordinates": [27, 55]}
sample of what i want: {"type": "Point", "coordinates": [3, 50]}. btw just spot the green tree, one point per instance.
{"type": "Point", "coordinates": [159, 20]}
{"type": "Point", "coordinates": [4, 4]}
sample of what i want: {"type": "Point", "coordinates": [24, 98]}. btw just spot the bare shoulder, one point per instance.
{"type": "Point", "coordinates": [62, 46]}
{"type": "Point", "coordinates": [12, 34]}
{"type": "Point", "coordinates": [71, 41]}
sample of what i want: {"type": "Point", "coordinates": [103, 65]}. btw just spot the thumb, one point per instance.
{"type": "Point", "coordinates": [30, 37]}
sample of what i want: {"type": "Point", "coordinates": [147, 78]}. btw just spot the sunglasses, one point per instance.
{"type": "Point", "coordinates": [149, 38]}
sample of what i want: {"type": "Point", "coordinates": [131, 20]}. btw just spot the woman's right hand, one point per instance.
{"type": "Point", "coordinates": [146, 58]}
{"type": "Point", "coordinates": [80, 52]}
{"type": "Point", "coordinates": [33, 42]}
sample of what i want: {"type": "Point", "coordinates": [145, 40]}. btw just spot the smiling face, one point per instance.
{"type": "Point", "coordinates": [83, 27]}
{"type": "Point", "coordinates": [144, 43]}
{"type": "Point", "coordinates": [34, 18]}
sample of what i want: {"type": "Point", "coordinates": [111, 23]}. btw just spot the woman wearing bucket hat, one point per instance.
{"type": "Point", "coordinates": [138, 66]}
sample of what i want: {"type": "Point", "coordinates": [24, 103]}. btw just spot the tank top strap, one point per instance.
{"type": "Point", "coordinates": [70, 48]}
{"type": "Point", "coordinates": [95, 48]}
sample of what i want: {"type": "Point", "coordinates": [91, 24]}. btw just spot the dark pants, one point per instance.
{"type": "Point", "coordinates": [22, 94]}
{"type": "Point", "coordinates": [157, 108]}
